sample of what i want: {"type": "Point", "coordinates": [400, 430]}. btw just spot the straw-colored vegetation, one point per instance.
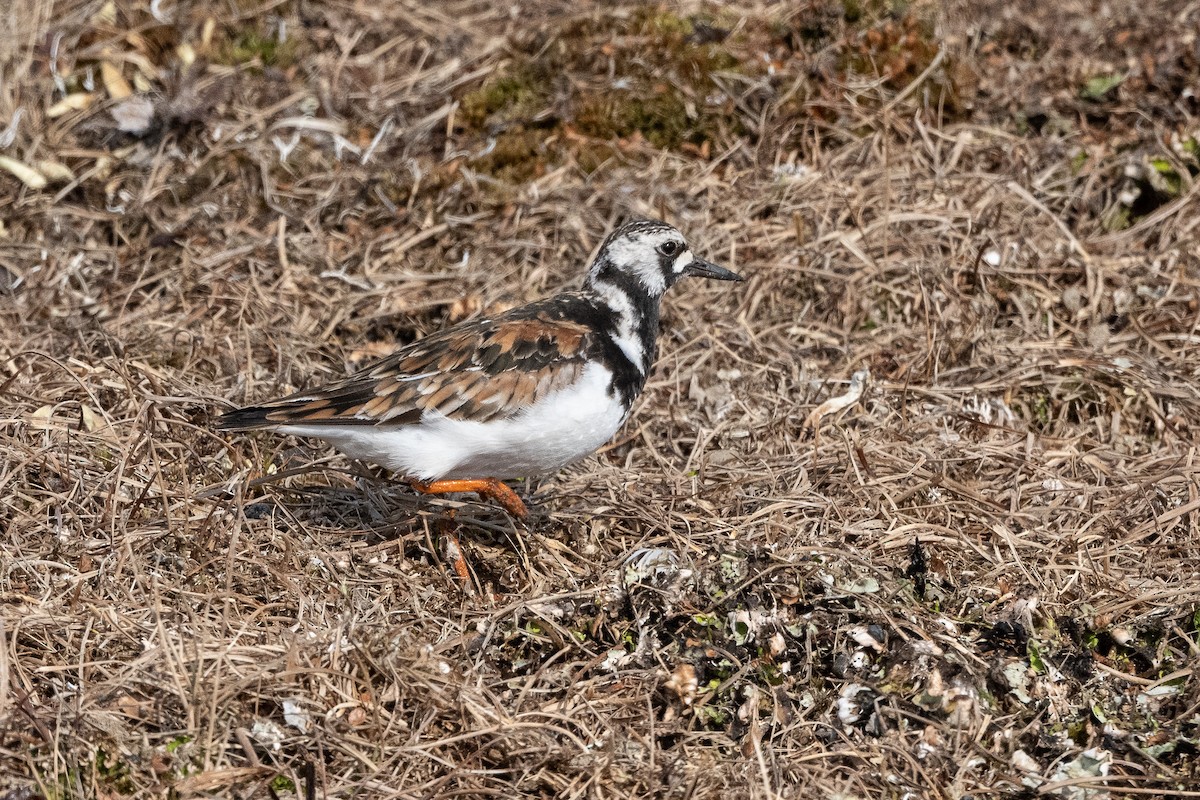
{"type": "Point", "coordinates": [982, 578]}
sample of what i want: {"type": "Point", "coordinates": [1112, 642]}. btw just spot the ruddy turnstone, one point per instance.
{"type": "Point", "coordinates": [519, 394]}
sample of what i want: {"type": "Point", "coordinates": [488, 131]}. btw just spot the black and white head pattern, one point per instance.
{"type": "Point", "coordinates": [643, 257]}
{"type": "Point", "coordinates": [634, 268]}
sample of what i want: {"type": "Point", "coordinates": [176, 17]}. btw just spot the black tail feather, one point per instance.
{"type": "Point", "coordinates": [246, 419]}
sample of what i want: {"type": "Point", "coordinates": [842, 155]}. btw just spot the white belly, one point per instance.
{"type": "Point", "coordinates": [560, 429]}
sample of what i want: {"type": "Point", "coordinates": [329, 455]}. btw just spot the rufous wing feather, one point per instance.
{"type": "Point", "coordinates": [476, 371]}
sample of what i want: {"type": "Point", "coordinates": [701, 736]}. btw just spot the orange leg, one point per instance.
{"type": "Point", "coordinates": [452, 548]}
{"type": "Point", "coordinates": [488, 488]}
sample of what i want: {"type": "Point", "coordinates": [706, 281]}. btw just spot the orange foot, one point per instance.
{"type": "Point", "coordinates": [488, 488]}
{"type": "Point", "coordinates": [452, 548]}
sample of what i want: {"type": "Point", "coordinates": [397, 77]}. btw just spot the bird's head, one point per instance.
{"type": "Point", "coordinates": [649, 257]}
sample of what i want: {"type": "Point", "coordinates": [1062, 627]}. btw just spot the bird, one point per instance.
{"type": "Point", "coordinates": [518, 394]}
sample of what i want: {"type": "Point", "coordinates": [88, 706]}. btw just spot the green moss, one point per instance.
{"type": "Point", "coordinates": [897, 44]}
{"type": "Point", "coordinates": [515, 156]}
{"type": "Point", "coordinates": [282, 783]}
{"type": "Point", "coordinates": [591, 156]}
{"type": "Point", "coordinates": [113, 773]}
{"type": "Point", "coordinates": [1118, 218]}
{"type": "Point", "coordinates": [1041, 409]}
{"type": "Point", "coordinates": [511, 97]}
{"type": "Point", "coordinates": [1165, 178]}
{"type": "Point", "coordinates": [660, 118]}
{"type": "Point", "coordinates": [250, 45]}
{"type": "Point", "coordinates": [658, 21]}
{"type": "Point", "coordinates": [712, 716]}
{"type": "Point", "coordinates": [674, 47]}
{"type": "Point", "coordinates": [644, 76]}
{"type": "Point", "coordinates": [177, 742]}
{"type": "Point", "coordinates": [770, 674]}
{"type": "Point", "coordinates": [1192, 148]}
{"type": "Point", "coordinates": [1098, 88]}
{"type": "Point", "coordinates": [583, 90]}
{"type": "Point", "coordinates": [1078, 161]}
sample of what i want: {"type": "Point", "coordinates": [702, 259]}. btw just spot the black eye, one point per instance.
{"type": "Point", "coordinates": [669, 248]}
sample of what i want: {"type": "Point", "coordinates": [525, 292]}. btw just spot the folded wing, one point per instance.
{"type": "Point", "coordinates": [483, 370]}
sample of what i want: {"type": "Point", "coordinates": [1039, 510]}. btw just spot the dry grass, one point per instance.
{"type": "Point", "coordinates": [982, 579]}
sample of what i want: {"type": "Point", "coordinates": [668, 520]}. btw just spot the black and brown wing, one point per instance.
{"type": "Point", "coordinates": [482, 370]}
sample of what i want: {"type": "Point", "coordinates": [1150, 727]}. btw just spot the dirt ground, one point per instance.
{"type": "Point", "coordinates": [980, 579]}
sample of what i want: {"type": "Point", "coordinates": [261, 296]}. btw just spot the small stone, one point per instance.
{"type": "Point", "coordinates": [1072, 299]}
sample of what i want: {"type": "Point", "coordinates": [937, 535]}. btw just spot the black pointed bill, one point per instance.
{"type": "Point", "coordinates": [706, 269]}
